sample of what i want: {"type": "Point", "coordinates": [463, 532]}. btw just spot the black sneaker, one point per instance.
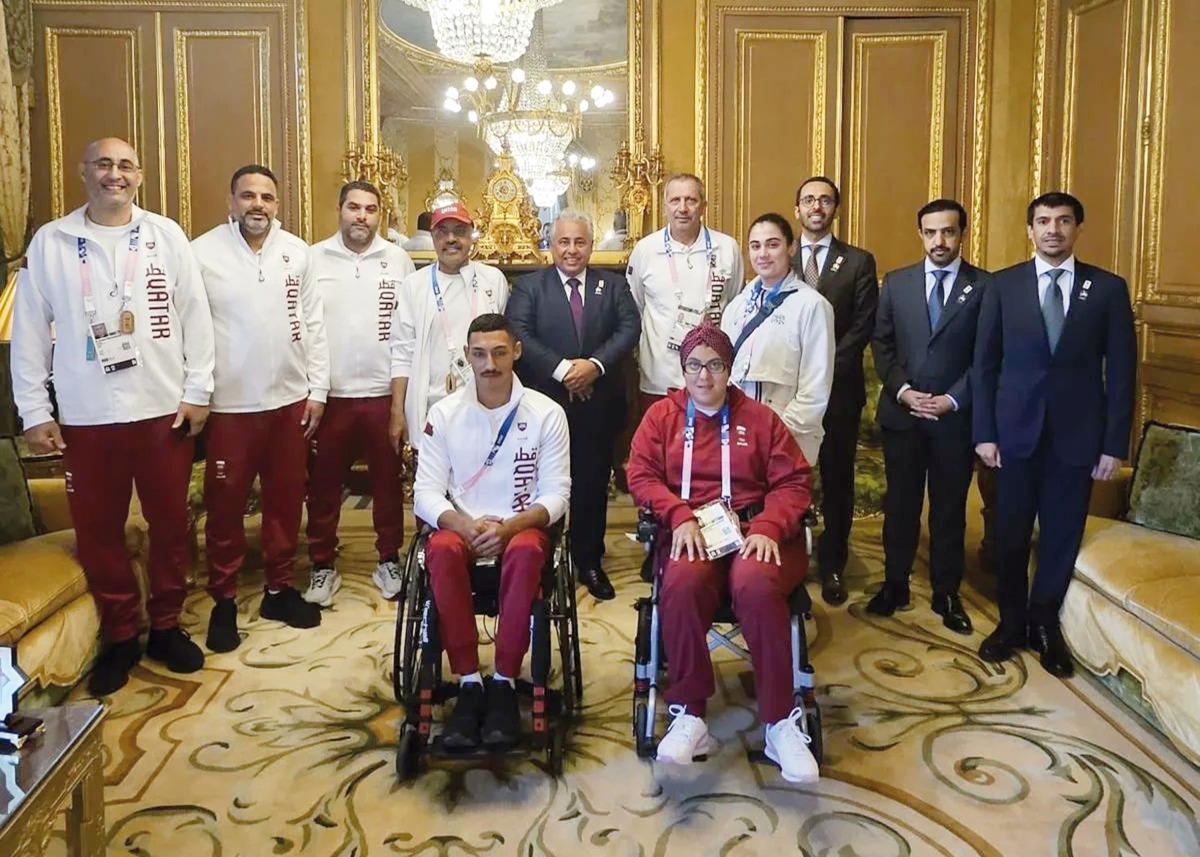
{"type": "Point", "coordinates": [222, 627]}
{"type": "Point", "coordinates": [462, 729]}
{"type": "Point", "coordinates": [502, 723]}
{"type": "Point", "coordinates": [174, 647]}
{"type": "Point", "coordinates": [289, 607]}
{"type": "Point", "coordinates": [112, 667]}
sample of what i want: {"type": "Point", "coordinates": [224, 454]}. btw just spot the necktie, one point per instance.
{"type": "Point", "coordinates": [937, 297]}
{"type": "Point", "coordinates": [576, 307]}
{"type": "Point", "coordinates": [1052, 309]}
{"type": "Point", "coordinates": [811, 275]}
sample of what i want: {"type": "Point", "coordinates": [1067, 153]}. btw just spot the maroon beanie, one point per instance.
{"type": "Point", "coordinates": [707, 333]}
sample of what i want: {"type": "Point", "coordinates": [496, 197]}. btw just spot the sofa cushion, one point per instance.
{"type": "Point", "coordinates": [1117, 557]}
{"type": "Point", "coordinates": [1165, 494]}
{"type": "Point", "coordinates": [37, 577]}
{"type": "Point", "coordinates": [1171, 607]}
{"type": "Point", "coordinates": [16, 507]}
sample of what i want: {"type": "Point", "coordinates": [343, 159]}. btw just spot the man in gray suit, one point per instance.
{"type": "Point", "coordinates": [923, 343]}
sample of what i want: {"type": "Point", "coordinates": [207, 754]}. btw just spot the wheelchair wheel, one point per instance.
{"type": "Point", "coordinates": [556, 748]}
{"type": "Point", "coordinates": [643, 744]}
{"type": "Point", "coordinates": [565, 617]}
{"type": "Point", "coordinates": [408, 753]}
{"type": "Point", "coordinates": [812, 722]}
{"type": "Point", "coordinates": [408, 625]}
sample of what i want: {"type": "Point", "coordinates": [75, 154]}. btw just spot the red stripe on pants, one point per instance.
{"type": "Point", "coordinates": [103, 463]}
{"type": "Point", "coordinates": [688, 600]}
{"type": "Point", "coordinates": [268, 444]}
{"type": "Point", "coordinates": [349, 428]}
{"type": "Point", "coordinates": [447, 557]}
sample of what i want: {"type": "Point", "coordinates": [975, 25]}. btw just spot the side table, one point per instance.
{"type": "Point", "coordinates": [65, 765]}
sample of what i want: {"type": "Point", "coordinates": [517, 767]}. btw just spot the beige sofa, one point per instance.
{"type": "Point", "coordinates": [46, 611]}
{"type": "Point", "coordinates": [1134, 608]}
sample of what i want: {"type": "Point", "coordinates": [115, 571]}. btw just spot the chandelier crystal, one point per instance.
{"type": "Point", "coordinates": [470, 30]}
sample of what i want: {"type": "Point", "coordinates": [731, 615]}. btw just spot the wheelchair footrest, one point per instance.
{"type": "Point", "coordinates": [524, 747]}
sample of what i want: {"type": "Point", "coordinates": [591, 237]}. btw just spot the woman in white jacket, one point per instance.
{"type": "Point", "coordinates": [782, 331]}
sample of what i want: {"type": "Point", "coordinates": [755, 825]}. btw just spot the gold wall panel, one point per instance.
{"type": "Point", "coordinates": [1100, 88]}
{"type": "Point", "coordinates": [223, 116]}
{"type": "Point", "coordinates": [79, 63]}
{"type": "Point", "coordinates": [901, 147]}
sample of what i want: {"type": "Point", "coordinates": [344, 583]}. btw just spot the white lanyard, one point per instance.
{"type": "Point", "coordinates": [89, 300]}
{"type": "Point", "coordinates": [689, 442]}
{"type": "Point", "coordinates": [709, 254]}
{"type": "Point", "coordinates": [441, 306]}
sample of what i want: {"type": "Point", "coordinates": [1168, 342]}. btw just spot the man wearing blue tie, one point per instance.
{"type": "Point", "coordinates": [1055, 362]}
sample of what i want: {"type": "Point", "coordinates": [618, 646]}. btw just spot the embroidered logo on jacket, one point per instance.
{"type": "Point", "coordinates": [524, 478]}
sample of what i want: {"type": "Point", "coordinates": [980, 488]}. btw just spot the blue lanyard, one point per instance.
{"type": "Point", "coordinates": [689, 443]}
{"type": "Point", "coordinates": [756, 294]}
{"type": "Point", "coordinates": [491, 457]}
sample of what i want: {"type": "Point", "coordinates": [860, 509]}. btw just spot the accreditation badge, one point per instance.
{"type": "Point", "coordinates": [115, 352]}
{"type": "Point", "coordinates": [685, 319]}
{"type": "Point", "coordinates": [720, 529]}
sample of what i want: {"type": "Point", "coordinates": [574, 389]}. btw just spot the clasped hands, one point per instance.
{"type": "Point", "coordinates": [687, 538]}
{"type": "Point", "coordinates": [926, 406]}
{"type": "Point", "coordinates": [486, 536]}
{"type": "Point", "coordinates": [581, 378]}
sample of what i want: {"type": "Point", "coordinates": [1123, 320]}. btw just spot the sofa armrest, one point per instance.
{"type": "Point", "coordinates": [50, 505]}
{"type": "Point", "coordinates": [1111, 499]}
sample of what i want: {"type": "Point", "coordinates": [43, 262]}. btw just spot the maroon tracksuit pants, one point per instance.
{"type": "Point", "coordinates": [350, 428]}
{"type": "Point", "coordinates": [447, 557]}
{"type": "Point", "coordinates": [270, 445]}
{"type": "Point", "coordinates": [688, 600]}
{"type": "Point", "coordinates": [103, 463]}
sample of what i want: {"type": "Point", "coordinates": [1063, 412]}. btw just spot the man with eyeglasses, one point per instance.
{"type": "Point", "coordinates": [846, 276]}
{"type": "Point", "coordinates": [434, 308]}
{"type": "Point", "coordinates": [271, 383]}
{"type": "Point", "coordinates": [679, 276]}
{"type": "Point", "coordinates": [358, 277]}
{"type": "Point", "coordinates": [132, 362]}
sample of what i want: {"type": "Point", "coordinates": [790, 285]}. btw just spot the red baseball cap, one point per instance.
{"type": "Point", "coordinates": [453, 211]}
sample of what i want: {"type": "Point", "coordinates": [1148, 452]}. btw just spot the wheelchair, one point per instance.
{"type": "Point", "coordinates": [649, 663]}
{"type": "Point", "coordinates": [555, 694]}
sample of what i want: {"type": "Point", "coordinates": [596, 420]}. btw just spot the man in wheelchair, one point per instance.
{"type": "Point", "coordinates": [494, 474]}
{"type": "Point", "coordinates": [724, 476]}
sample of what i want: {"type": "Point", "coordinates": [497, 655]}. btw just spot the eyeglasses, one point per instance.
{"type": "Point", "coordinates": [105, 165]}
{"type": "Point", "coordinates": [824, 201]}
{"type": "Point", "coordinates": [714, 367]}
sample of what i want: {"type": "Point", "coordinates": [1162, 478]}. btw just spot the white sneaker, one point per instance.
{"type": "Point", "coordinates": [322, 584]}
{"type": "Point", "coordinates": [787, 746]}
{"type": "Point", "coordinates": [388, 578]}
{"type": "Point", "coordinates": [686, 738]}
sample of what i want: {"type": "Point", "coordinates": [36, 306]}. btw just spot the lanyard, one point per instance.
{"type": "Point", "coordinates": [708, 252]}
{"type": "Point", "coordinates": [491, 457]}
{"type": "Point", "coordinates": [85, 277]}
{"type": "Point", "coordinates": [689, 442]}
{"type": "Point", "coordinates": [757, 288]}
{"type": "Point", "coordinates": [441, 305]}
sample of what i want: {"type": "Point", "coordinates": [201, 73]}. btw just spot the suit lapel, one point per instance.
{"type": "Point", "coordinates": [963, 291]}
{"type": "Point", "coordinates": [557, 295]}
{"type": "Point", "coordinates": [1032, 303]}
{"type": "Point", "coordinates": [1078, 303]}
{"type": "Point", "coordinates": [593, 303]}
{"type": "Point", "coordinates": [835, 257]}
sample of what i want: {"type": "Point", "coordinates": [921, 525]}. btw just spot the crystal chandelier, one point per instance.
{"type": "Point", "coordinates": [470, 30]}
{"type": "Point", "coordinates": [527, 113]}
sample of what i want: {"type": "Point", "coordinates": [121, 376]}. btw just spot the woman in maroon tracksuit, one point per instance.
{"type": "Point", "coordinates": [766, 483]}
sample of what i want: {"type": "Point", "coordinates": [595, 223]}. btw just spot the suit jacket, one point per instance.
{"type": "Point", "coordinates": [936, 361]}
{"type": "Point", "coordinates": [1082, 393]}
{"type": "Point", "coordinates": [850, 283]}
{"type": "Point", "coordinates": [541, 315]}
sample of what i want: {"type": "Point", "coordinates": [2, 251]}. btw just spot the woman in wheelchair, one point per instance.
{"type": "Point", "coordinates": [494, 474]}
{"type": "Point", "coordinates": [699, 455]}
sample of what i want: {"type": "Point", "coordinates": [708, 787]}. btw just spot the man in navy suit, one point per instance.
{"type": "Point", "coordinates": [924, 343]}
{"type": "Point", "coordinates": [1055, 362]}
{"type": "Point", "coordinates": [577, 326]}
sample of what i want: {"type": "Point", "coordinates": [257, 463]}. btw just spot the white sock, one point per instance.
{"type": "Point", "coordinates": [274, 591]}
{"type": "Point", "coordinates": [471, 678]}
{"type": "Point", "coordinates": [499, 677]}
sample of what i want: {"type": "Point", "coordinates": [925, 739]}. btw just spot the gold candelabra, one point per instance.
{"type": "Point", "coordinates": [639, 177]}
{"type": "Point", "coordinates": [378, 164]}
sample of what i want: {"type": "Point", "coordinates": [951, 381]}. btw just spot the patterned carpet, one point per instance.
{"type": "Point", "coordinates": [286, 747]}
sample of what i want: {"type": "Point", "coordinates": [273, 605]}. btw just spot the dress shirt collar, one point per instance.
{"type": "Point", "coordinates": [581, 276]}
{"type": "Point", "coordinates": [953, 267]}
{"type": "Point", "coordinates": [1043, 266]}
{"type": "Point", "coordinates": [825, 241]}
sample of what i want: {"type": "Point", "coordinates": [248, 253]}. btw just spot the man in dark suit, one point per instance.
{"type": "Point", "coordinates": [924, 343]}
{"type": "Point", "coordinates": [1055, 362]}
{"type": "Point", "coordinates": [846, 276]}
{"type": "Point", "coordinates": [577, 326]}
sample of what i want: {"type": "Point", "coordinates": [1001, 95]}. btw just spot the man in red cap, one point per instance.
{"type": "Point", "coordinates": [434, 307]}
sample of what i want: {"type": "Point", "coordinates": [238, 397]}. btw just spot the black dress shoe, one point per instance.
{"type": "Point", "coordinates": [833, 588]}
{"type": "Point", "coordinates": [891, 597]}
{"type": "Point", "coordinates": [111, 671]}
{"type": "Point", "coordinates": [462, 728]}
{"type": "Point", "coordinates": [288, 606]}
{"type": "Point", "coordinates": [502, 723]}
{"type": "Point", "coordinates": [1002, 644]}
{"type": "Point", "coordinates": [954, 617]}
{"type": "Point", "coordinates": [174, 647]}
{"type": "Point", "coordinates": [1047, 641]}
{"type": "Point", "coordinates": [222, 627]}
{"type": "Point", "coordinates": [597, 583]}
